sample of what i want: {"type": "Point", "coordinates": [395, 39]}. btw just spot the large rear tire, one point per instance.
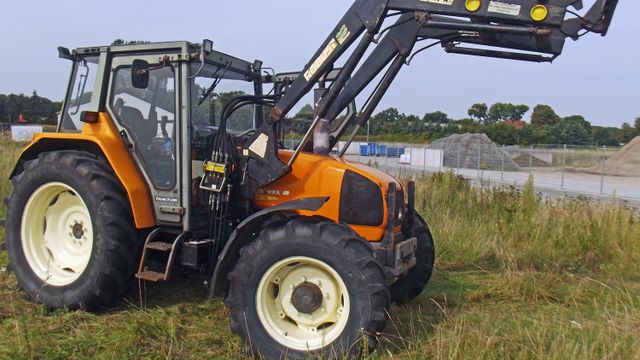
{"type": "Point", "coordinates": [70, 235]}
{"type": "Point", "coordinates": [308, 289]}
{"type": "Point", "coordinates": [411, 285]}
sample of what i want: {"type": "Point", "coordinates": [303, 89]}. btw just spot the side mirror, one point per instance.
{"type": "Point", "coordinates": [140, 74]}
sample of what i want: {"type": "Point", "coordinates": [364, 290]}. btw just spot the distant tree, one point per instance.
{"type": "Point", "coordinates": [570, 133]}
{"type": "Point", "coordinates": [637, 125]}
{"type": "Point", "coordinates": [502, 133]}
{"type": "Point", "coordinates": [302, 119]}
{"type": "Point", "coordinates": [34, 108]}
{"type": "Point", "coordinates": [437, 117]}
{"type": "Point", "coordinates": [3, 99]}
{"type": "Point", "coordinates": [380, 122]}
{"type": "Point", "coordinates": [544, 115]}
{"type": "Point", "coordinates": [505, 111]}
{"type": "Point", "coordinates": [579, 119]}
{"type": "Point", "coordinates": [305, 111]}
{"type": "Point", "coordinates": [627, 133]}
{"type": "Point", "coordinates": [604, 136]}
{"type": "Point", "coordinates": [537, 134]}
{"type": "Point", "coordinates": [478, 112]}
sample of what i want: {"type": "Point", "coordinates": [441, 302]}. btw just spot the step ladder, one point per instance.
{"type": "Point", "coordinates": [150, 245]}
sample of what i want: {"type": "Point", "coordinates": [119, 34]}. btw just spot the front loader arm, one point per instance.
{"type": "Point", "coordinates": [527, 25]}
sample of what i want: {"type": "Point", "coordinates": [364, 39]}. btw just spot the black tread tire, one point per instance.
{"type": "Point", "coordinates": [411, 285]}
{"type": "Point", "coordinates": [111, 265]}
{"type": "Point", "coordinates": [338, 246]}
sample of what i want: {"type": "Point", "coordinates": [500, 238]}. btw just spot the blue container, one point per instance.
{"type": "Point", "coordinates": [400, 151]}
{"type": "Point", "coordinates": [364, 150]}
{"type": "Point", "coordinates": [392, 152]}
{"type": "Point", "coordinates": [382, 150]}
{"type": "Point", "coordinates": [372, 149]}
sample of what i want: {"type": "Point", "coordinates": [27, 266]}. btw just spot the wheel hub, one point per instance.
{"type": "Point", "coordinates": [307, 298]}
{"type": "Point", "coordinates": [78, 231]}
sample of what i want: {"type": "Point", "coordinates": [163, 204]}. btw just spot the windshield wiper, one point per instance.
{"type": "Point", "coordinates": [216, 80]}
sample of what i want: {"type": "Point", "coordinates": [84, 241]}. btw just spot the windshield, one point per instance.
{"type": "Point", "coordinates": [212, 89]}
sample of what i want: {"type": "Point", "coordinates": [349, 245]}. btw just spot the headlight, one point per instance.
{"type": "Point", "coordinates": [360, 201]}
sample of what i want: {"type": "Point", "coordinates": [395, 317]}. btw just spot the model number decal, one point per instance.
{"type": "Point", "coordinates": [166, 199]}
{"type": "Point", "coordinates": [504, 8]}
{"type": "Point", "coordinates": [341, 36]}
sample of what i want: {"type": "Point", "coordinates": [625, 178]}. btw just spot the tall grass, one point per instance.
{"type": "Point", "coordinates": [513, 230]}
{"type": "Point", "coordinates": [516, 276]}
{"type": "Point", "coordinates": [10, 151]}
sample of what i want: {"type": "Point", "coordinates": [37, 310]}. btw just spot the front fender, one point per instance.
{"type": "Point", "coordinates": [242, 235]}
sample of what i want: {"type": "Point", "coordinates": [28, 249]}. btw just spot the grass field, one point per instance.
{"type": "Point", "coordinates": [516, 277]}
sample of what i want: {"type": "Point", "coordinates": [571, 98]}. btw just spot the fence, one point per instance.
{"type": "Point", "coordinates": [554, 168]}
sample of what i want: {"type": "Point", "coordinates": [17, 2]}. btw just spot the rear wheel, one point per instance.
{"type": "Point", "coordinates": [70, 236]}
{"type": "Point", "coordinates": [411, 285]}
{"type": "Point", "coordinates": [308, 288]}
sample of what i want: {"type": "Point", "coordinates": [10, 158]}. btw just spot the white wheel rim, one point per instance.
{"type": "Point", "coordinates": [282, 320]}
{"type": "Point", "coordinates": [57, 234]}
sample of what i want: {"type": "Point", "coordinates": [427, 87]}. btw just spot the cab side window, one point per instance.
{"type": "Point", "coordinates": [79, 94]}
{"type": "Point", "coordinates": [148, 115]}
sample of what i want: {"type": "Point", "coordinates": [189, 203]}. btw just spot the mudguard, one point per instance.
{"type": "Point", "coordinates": [242, 235]}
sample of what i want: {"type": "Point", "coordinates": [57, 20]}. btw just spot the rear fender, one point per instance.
{"type": "Point", "coordinates": [103, 140]}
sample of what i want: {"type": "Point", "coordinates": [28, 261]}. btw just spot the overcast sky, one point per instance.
{"type": "Point", "coordinates": [596, 77]}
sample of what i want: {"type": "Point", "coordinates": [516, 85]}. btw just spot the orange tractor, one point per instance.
{"type": "Point", "coordinates": [170, 155]}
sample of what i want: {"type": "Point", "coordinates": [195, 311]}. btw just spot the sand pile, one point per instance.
{"type": "Point", "coordinates": [625, 162]}
{"type": "Point", "coordinates": [463, 149]}
{"type": "Point", "coordinates": [526, 160]}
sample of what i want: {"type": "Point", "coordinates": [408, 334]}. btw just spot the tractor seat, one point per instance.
{"type": "Point", "coordinates": [142, 131]}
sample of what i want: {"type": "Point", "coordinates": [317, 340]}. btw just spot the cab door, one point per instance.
{"type": "Point", "coordinates": [148, 120]}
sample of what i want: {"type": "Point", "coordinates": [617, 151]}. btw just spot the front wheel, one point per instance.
{"type": "Point", "coordinates": [308, 288]}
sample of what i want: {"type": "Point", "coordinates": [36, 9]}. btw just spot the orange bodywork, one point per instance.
{"type": "Point", "coordinates": [318, 176]}
{"type": "Point", "coordinates": [106, 136]}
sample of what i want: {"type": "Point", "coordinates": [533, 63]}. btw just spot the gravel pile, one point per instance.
{"type": "Point", "coordinates": [464, 150]}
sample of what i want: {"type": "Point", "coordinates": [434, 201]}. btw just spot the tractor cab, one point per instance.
{"type": "Point", "coordinates": [165, 101]}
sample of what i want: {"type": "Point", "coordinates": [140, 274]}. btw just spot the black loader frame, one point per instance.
{"type": "Point", "coordinates": [523, 30]}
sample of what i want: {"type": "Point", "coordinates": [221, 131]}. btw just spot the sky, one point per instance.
{"type": "Point", "coordinates": [595, 77]}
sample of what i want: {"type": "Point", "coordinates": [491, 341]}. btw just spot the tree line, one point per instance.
{"type": "Point", "coordinates": [502, 122]}
{"type": "Point", "coordinates": [34, 109]}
